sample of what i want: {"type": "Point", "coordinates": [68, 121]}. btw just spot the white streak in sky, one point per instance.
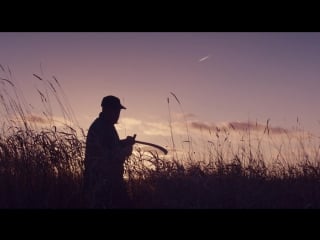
{"type": "Point", "coordinates": [204, 58]}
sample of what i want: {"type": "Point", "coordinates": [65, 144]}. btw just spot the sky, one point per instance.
{"type": "Point", "coordinates": [175, 82]}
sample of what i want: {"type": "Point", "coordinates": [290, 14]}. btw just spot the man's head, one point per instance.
{"type": "Point", "coordinates": [111, 106]}
{"type": "Point", "coordinates": [111, 102]}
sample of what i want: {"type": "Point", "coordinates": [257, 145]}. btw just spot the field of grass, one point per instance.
{"type": "Point", "coordinates": [41, 166]}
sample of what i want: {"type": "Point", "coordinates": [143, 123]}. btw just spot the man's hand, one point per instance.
{"type": "Point", "coordinates": [130, 140]}
{"type": "Point", "coordinates": [128, 145]}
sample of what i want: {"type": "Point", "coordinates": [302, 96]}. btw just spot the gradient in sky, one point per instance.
{"type": "Point", "coordinates": [218, 78]}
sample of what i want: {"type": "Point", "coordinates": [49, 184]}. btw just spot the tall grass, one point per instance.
{"type": "Point", "coordinates": [41, 161]}
{"type": "Point", "coordinates": [243, 181]}
{"type": "Point", "coordinates": [259, 169]}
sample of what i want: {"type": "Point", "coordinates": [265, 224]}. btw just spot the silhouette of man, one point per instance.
{"type": "Point", "coordinates": [105, 155]}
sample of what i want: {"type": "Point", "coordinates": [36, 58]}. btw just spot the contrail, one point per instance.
{"type": "Point", "coordinates": [204, 58]}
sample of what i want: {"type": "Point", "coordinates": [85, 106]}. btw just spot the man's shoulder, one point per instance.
{"type": "Point", "coordinates": [99, 125]}
{"type": "Point", "coordinates": [94, 123]}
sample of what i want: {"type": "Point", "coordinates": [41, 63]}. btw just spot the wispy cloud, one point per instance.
{"type": "Point", "coordinates": [42, 121]}
{"type": "Point", "coordinates": [189, 115]}
{"type": "Point", "coordinates": [130, 122]}
{"type": "Point", "coordinates": [245, 126]}
{"type": "Point", "coordinates": [150, 128]}
{"type": "Point", "coordinates": [157, 129]}
{"type": "Point", "coordinates": [162, 128]}
{"type": "Point", "coordinates": [181, 117]}
{"type": "Point", "coordinates": [238, 126]}
{"type": "Point", "coordinates": [203, 125]}
{"type": "Point", "coordinates": [233, 134]}
{"type": "Point", "coordinates": [37, 119]}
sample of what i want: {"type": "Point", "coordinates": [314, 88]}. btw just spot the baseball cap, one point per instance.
{"type": "Point", "coordinates": [112, 101]}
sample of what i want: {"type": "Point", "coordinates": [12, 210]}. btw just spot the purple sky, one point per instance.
{"type": "Point", "coordinates": [217, 77]}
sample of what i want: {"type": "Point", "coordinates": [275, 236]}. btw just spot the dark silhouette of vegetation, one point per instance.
{"type": "Point", "coordinates": [41, 166]}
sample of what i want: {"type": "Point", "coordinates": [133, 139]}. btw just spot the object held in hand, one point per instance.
{"type": "Point", "coordinates": [165, 151]}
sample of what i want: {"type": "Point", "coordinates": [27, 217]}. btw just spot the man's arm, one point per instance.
{"type": "Point", "coordinates": [127, 145]}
